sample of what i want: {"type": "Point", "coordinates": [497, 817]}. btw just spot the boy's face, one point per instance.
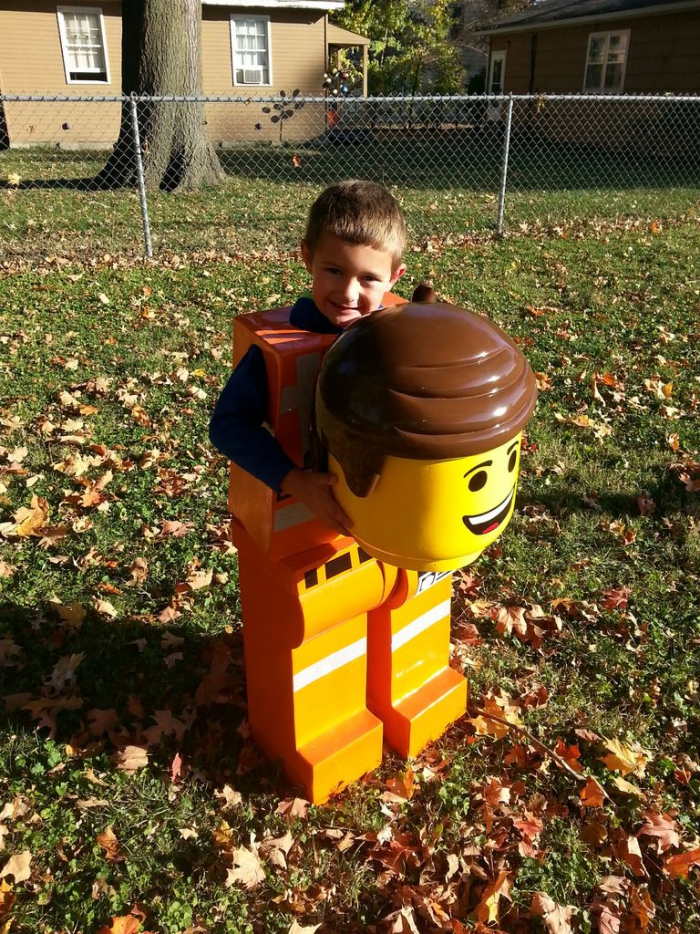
{"type": "Point", "coordinates": [349, 279]}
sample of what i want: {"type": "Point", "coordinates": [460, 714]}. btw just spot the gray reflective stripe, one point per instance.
{"type": "Point", "coordinates": [301, 396]}
{"type": "Point", "coordinates": [288, 516]}
{"type": "Point", "coordinates": [330, 663]}
{"type": "Point", "coordinates": [419, 625]}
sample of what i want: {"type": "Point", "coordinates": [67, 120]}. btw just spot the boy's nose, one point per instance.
{"type": "Point", "coordinates": [351, 290]}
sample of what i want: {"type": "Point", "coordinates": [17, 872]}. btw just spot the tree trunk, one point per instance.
{"type": "Point", "coordinates": [161, 54]}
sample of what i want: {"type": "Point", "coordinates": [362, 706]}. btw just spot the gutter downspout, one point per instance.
{"type": "Point", "coordinates": [533, 60]}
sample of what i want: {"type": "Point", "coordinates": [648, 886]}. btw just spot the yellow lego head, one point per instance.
{"type": "Point", "coordinates": [421, 408]}
{"type": "Point", "coordinates": [434, 515]}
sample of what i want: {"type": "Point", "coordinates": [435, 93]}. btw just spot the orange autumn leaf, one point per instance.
{"type": "Point", "coordinates": [401, 786]}
{"type": "Point", "coordinates": [679, 866]}
{"type": "Point", "coordinates": [487, 910]}
{"type": "Point", "coordinates": [625, 759]}
{"type": "Point", "coordinates": [125, 924]}
{"type": "Point", "coordinates": [30, 520]}
{"type": "Point", "coordinates": [7, 899]}
{"type": "Point", "coordinates": [593, 795]}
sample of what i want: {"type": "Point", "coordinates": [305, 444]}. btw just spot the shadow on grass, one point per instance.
{"type": "Point", "coordinates": [101, 686]}
{"type": "Point", "coordinates": [425, 158]}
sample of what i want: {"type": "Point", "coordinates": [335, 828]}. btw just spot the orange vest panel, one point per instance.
{"type": "Point", "coordinates": [277, 523]}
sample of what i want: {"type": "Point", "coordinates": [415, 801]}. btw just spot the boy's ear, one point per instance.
{"type": "Point", "coordinates": [397, 273]}
{"type": "Point", "coordinates": [306, 255]}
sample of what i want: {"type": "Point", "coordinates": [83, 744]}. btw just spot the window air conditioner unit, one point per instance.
{"type": "Point", "coordinates": [252, 76]}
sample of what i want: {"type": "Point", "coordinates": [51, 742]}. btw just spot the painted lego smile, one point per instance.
{"type": "Point", "coordinates": [488, 521]}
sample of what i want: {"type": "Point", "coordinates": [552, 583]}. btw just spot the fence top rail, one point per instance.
{"type": "Point", "coordinates": [451, 98]}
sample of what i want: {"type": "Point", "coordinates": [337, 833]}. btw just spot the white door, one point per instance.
{"type": "Point", "coordinates": [497, 74]}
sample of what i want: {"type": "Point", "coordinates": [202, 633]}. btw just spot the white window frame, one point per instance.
{"type": "Point", "coordinates": [606, 35]}
{"type": "Point", "coordinates": [234, 64]}
{"type": "Point", "coordinates": [60, 14]}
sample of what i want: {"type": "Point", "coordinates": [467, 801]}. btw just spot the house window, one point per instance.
{"type": "Point", "coordinates": [250, 45]}
{"type": "Point", "coordinates": [606, 61]}
{"type": "Point", "coordinates": [84, 45]}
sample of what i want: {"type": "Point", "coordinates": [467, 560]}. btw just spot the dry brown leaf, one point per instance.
{"type": "Point", "coordinates": [105, 608]}
{"type": "Point", "coordinates": [7, 900]}
{"type": "Point", "coordinates": [556, 918]}
{"type": "Point", "coordinates": [130, 759]}
{"type": "Point", "coordinates": [274, 850]}
{"type": "Point", "coordinates": [17, 866]}
{"type": "Point", "coordinates": [64, 670]}
{"type": "Point", "coordinates": [247, 869]}
{"type": "Point", "coordinates": [662, 827]}
{"type": "Point", "coordinates": [294, 807]}
{"type": "Point", "coordinates": [107, 840]}
{"type": "Point", "coordinates": [199, 579]}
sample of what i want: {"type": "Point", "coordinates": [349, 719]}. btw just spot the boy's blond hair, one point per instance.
{"type": "Point", "coordinates": [358, 212]}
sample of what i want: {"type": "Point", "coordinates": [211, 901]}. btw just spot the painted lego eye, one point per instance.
{"type": "Point", "coordinates": [512, 461]}
{"type": "Point", "coordinates": [478, 481]}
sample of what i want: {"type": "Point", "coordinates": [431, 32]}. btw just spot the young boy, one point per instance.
{"type": "Point", "coordinates": [352, 249]}
{"type": "Point", "coordinates": [341, 651]}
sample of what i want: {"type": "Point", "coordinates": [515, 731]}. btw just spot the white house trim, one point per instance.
{"type": "Point", "coordinates": [323, 6]}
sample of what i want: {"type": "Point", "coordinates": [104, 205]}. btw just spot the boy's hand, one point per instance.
{"type": "Point", "coordinates": [315, 491]}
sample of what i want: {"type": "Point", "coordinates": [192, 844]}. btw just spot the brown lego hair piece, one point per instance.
{"type": "Point", "coordinates": [426, 381]}
{"type": "Point", "coordinates": [358, 212]}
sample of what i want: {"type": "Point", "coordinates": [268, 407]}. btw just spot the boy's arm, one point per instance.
{"type": "Point", "coordinates": [236, 428]}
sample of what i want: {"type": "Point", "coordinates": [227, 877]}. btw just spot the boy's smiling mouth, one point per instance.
{"type": "Point", "coordinates": [488, 521]}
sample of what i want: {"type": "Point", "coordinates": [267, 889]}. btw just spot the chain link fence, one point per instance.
{"type": "Point", "coordinates": [79, 173]}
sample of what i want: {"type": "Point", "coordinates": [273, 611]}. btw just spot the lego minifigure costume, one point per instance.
{"type": "Point", "coordinates": [342, 651]}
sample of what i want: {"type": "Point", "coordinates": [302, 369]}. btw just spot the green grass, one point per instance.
{"type": "Point", "coordinates": [606, 305]}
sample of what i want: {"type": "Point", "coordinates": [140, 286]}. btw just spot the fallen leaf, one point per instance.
{"type": "Point", "coordinates": [130, 759]}
{"type": "Point", "coordinates": [108, 842]}
{"type": "Point", "coordinates": [17, 866]}
{"type": "Point", "coordinates": [274, 850]}
{"type": "Point", "coordinates": [247, 869]}
{"type": "Point", "coordinates": [593, 795]}
{"type": "Point", "coordinates": [125, 924]}
{"type": "Point", "coordinates": [625, 759]}
{"type": "Point", "coordinates": [7, 900]}
{"type": "Point", "coordinates": [294, 807]}
{"type": "Point", "coordinates": [679, 866]}
{"type": "Point", "coordinates": [662, 827]}
{"type": "Point", "coordinates": [487, 910]}
{"type": "Point", "coordinates": [556, 918]}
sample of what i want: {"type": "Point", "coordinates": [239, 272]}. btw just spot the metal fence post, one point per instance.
{"type": "Point", "coordinates": [140, 178]}
{"type": "Point", "coordinates": [504, 166]}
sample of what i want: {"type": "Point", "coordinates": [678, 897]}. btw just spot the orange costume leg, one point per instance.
{"type": "Point", "coordinates": [410, 685]}
{"type": "Point", "coordinates": [305, 641]}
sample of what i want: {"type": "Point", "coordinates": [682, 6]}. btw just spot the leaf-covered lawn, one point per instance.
{"type": "Point", "coordinates": [131, 796]}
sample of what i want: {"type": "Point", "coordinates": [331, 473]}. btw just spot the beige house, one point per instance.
{"type": "Point", "coordinates": [249, 50]}
{"type": "Point", "coordinates": [596, 47]}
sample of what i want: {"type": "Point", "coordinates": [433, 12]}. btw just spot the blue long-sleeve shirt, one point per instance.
{"type": "Point", "coordinates": [236, 428]}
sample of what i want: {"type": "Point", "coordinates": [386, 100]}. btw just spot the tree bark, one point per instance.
{"type": "Point", "coordinates": [161, 54]}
